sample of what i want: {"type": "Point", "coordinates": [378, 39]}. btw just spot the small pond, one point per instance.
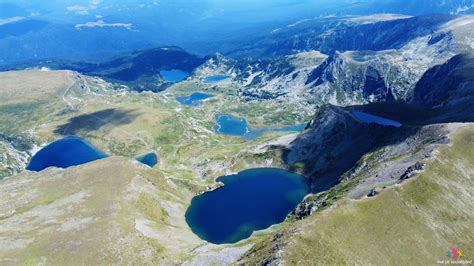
{"type": "Point", "coordinates": [194, 99]}
{"type": "Point", "coordinates": [368, 118]}
{"type": "Point", "coordinates": [231, 125]}
{"type": "Point", "coordinates": [150, 159]}
{"type": "Point", "coordinates": [174, 75]}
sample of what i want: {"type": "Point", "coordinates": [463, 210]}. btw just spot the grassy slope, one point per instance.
{"type": "Point", "coordinates": [187, 146]}
{"type": "Point", "coordinates": [412, 224]}
{"type": "Point", "coordinates": [25, 98]}
{"type": "Point", "coordinates": [34, 86]}
{"type": "Point", "coordinates": [111, 210]}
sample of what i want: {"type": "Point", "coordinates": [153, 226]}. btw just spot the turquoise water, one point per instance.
{"type": "Point", "coordinates": [65, 152]}
{"type": "Point", "coordinates": [231, 125]}
{"type": "Point", "coordinates": [235, 126]}
{"type": "Point", "coordinates": [215, 78]}
{"type": "Point", "coordinates": [174, 75]}
{"type": "Point", "coordinates": [368, 118]}
{"type": "Point", "coordinates": [150, 159]}
{"type": "Point", "coordinates": [251, 200]}
{"type": "Point", "coordinates": [194, 99]}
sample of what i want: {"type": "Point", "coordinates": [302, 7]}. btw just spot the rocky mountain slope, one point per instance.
{"type": "Point", "coordinates": [348, 159]}
{"type": "Point", "coordinates": [369, 182]}
{"type": "Point", "coordinates": [353, 77]}
{"type": "Point", "coordinates": [449, 87]}
{"type": "Point", "coordinates": [113, 210]}
{"type": "Point", "coordinates": [379, 70]}
{"type": "Point", "coordinates": [139, 70]}
{"type": "Point", "coordinates": [328, 35]}
{"type": "Point", "coordinates": [415, 212]}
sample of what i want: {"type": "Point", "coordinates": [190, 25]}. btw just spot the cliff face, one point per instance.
{"type": "Point", "coordinates": [449, 88]}
{"type": "Point", "coordinates": [358, 76]}
{"type": "Point", "coordinates": [348, 159]}
{"type": "Point", "coordinates": [415, 212]}
{"type": "Point", "coordinates": [332, 142]}
{"type": "Point", "coordinates": [328, 35]}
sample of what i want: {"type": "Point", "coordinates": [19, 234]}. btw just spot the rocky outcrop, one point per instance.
{"type": "Point", "coordinates": [345, 156]}
{"type": "Point", "coordinates": [358, 77]}
{"type": "Point", "coordinates": [139, 70]}
{"type": "Point", "coordinates": [332, 143]}
{"type": "Point", "coordinates": [449, 87]}
{"type": "Point", "coordinates": [412, 170]}
{"type": "Point", "coordinates": [329, 35]}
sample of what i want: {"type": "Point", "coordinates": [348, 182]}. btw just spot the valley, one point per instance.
{"type": "Point", "coordinates": [362, 134]}
{"type": "Point", "coordinates": [125, 124]}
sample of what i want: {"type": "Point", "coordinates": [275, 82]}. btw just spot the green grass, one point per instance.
{"type": "Point", "coordinates": [412, 224]}
{"type": "Point", "coordinates": [127, 149]}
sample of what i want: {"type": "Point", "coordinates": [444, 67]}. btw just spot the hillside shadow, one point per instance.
{"type": "Point", "coordinates": [96, 120]}
{"type": "Point", "coordinates": [341, 152]}
{"type": "Point", "coordinates": [444, 94]}
{"type": "Point", "coordinates": [347, 145]}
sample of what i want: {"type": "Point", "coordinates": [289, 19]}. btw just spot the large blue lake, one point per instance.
{"type": "Point", "coordinates": [251, 200]}
{"type": "Point", "coordinates": [65, 152]}
{"type": "Point", "coordinates": [215, 78]}
{"type": "Point", "coordinates": [231, 125]}
{"type": "Point", "coordinates": [174, 75]}
{"type": "Point", "coordinates": [194, 99]}
{"type": "Point", "coordinates": [368, 118]}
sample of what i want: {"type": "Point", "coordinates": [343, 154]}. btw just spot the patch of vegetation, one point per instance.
{"type": "Point", "coordinates": [126, 149]}
{"type": "Point", "coordinates": [151, 208]}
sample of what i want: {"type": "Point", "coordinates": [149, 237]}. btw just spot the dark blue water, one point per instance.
{"type": "Point", "coordinates": [63, 153]}
{"type": "Point", "coordinates": [235, 126]}
{"type": "Point", "coordinates": [194, 99]}
{"type": "Point", "coordinates": [368, 118]}
{"type": "Point", "coordinates": [251, 200]}
{"type": "Point", "coordinates": [174, 75]}
{"type": "Point", "coordinates": [150, 159]}
{"type": "Point", "coordinates": [215, 78]}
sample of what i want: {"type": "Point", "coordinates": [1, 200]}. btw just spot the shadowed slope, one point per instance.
{"type": "Point", "coordinates": [428, 216]}
{"type": "Point", "coordinates": [96, 121]}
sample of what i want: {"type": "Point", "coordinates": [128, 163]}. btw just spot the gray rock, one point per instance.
{"type": "Point", "coordinates": [412, 170]}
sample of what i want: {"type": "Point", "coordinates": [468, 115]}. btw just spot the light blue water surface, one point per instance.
{"type": "Point", "coordinates": [368, 118]}
{"type": "Point", "coordinates": [174, 75]}
{"type": "Point", "coordinates": [194, 99]}
{"type": "Point", "coordinates": [215, 78]}
{"type": "Point", "coordinates": [236, 126]}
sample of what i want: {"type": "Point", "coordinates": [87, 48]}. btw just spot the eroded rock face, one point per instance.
{"type": "Point", "coordinates": [333, 141]}
{"type": "Point", "coordinates": [449, 87]}
{"type": "Point", "coordinates": [354, 76]}
{"type": "Point", "coordinates": [412, 170]}
{"type": "Point", "coordinates": [345, 156]}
